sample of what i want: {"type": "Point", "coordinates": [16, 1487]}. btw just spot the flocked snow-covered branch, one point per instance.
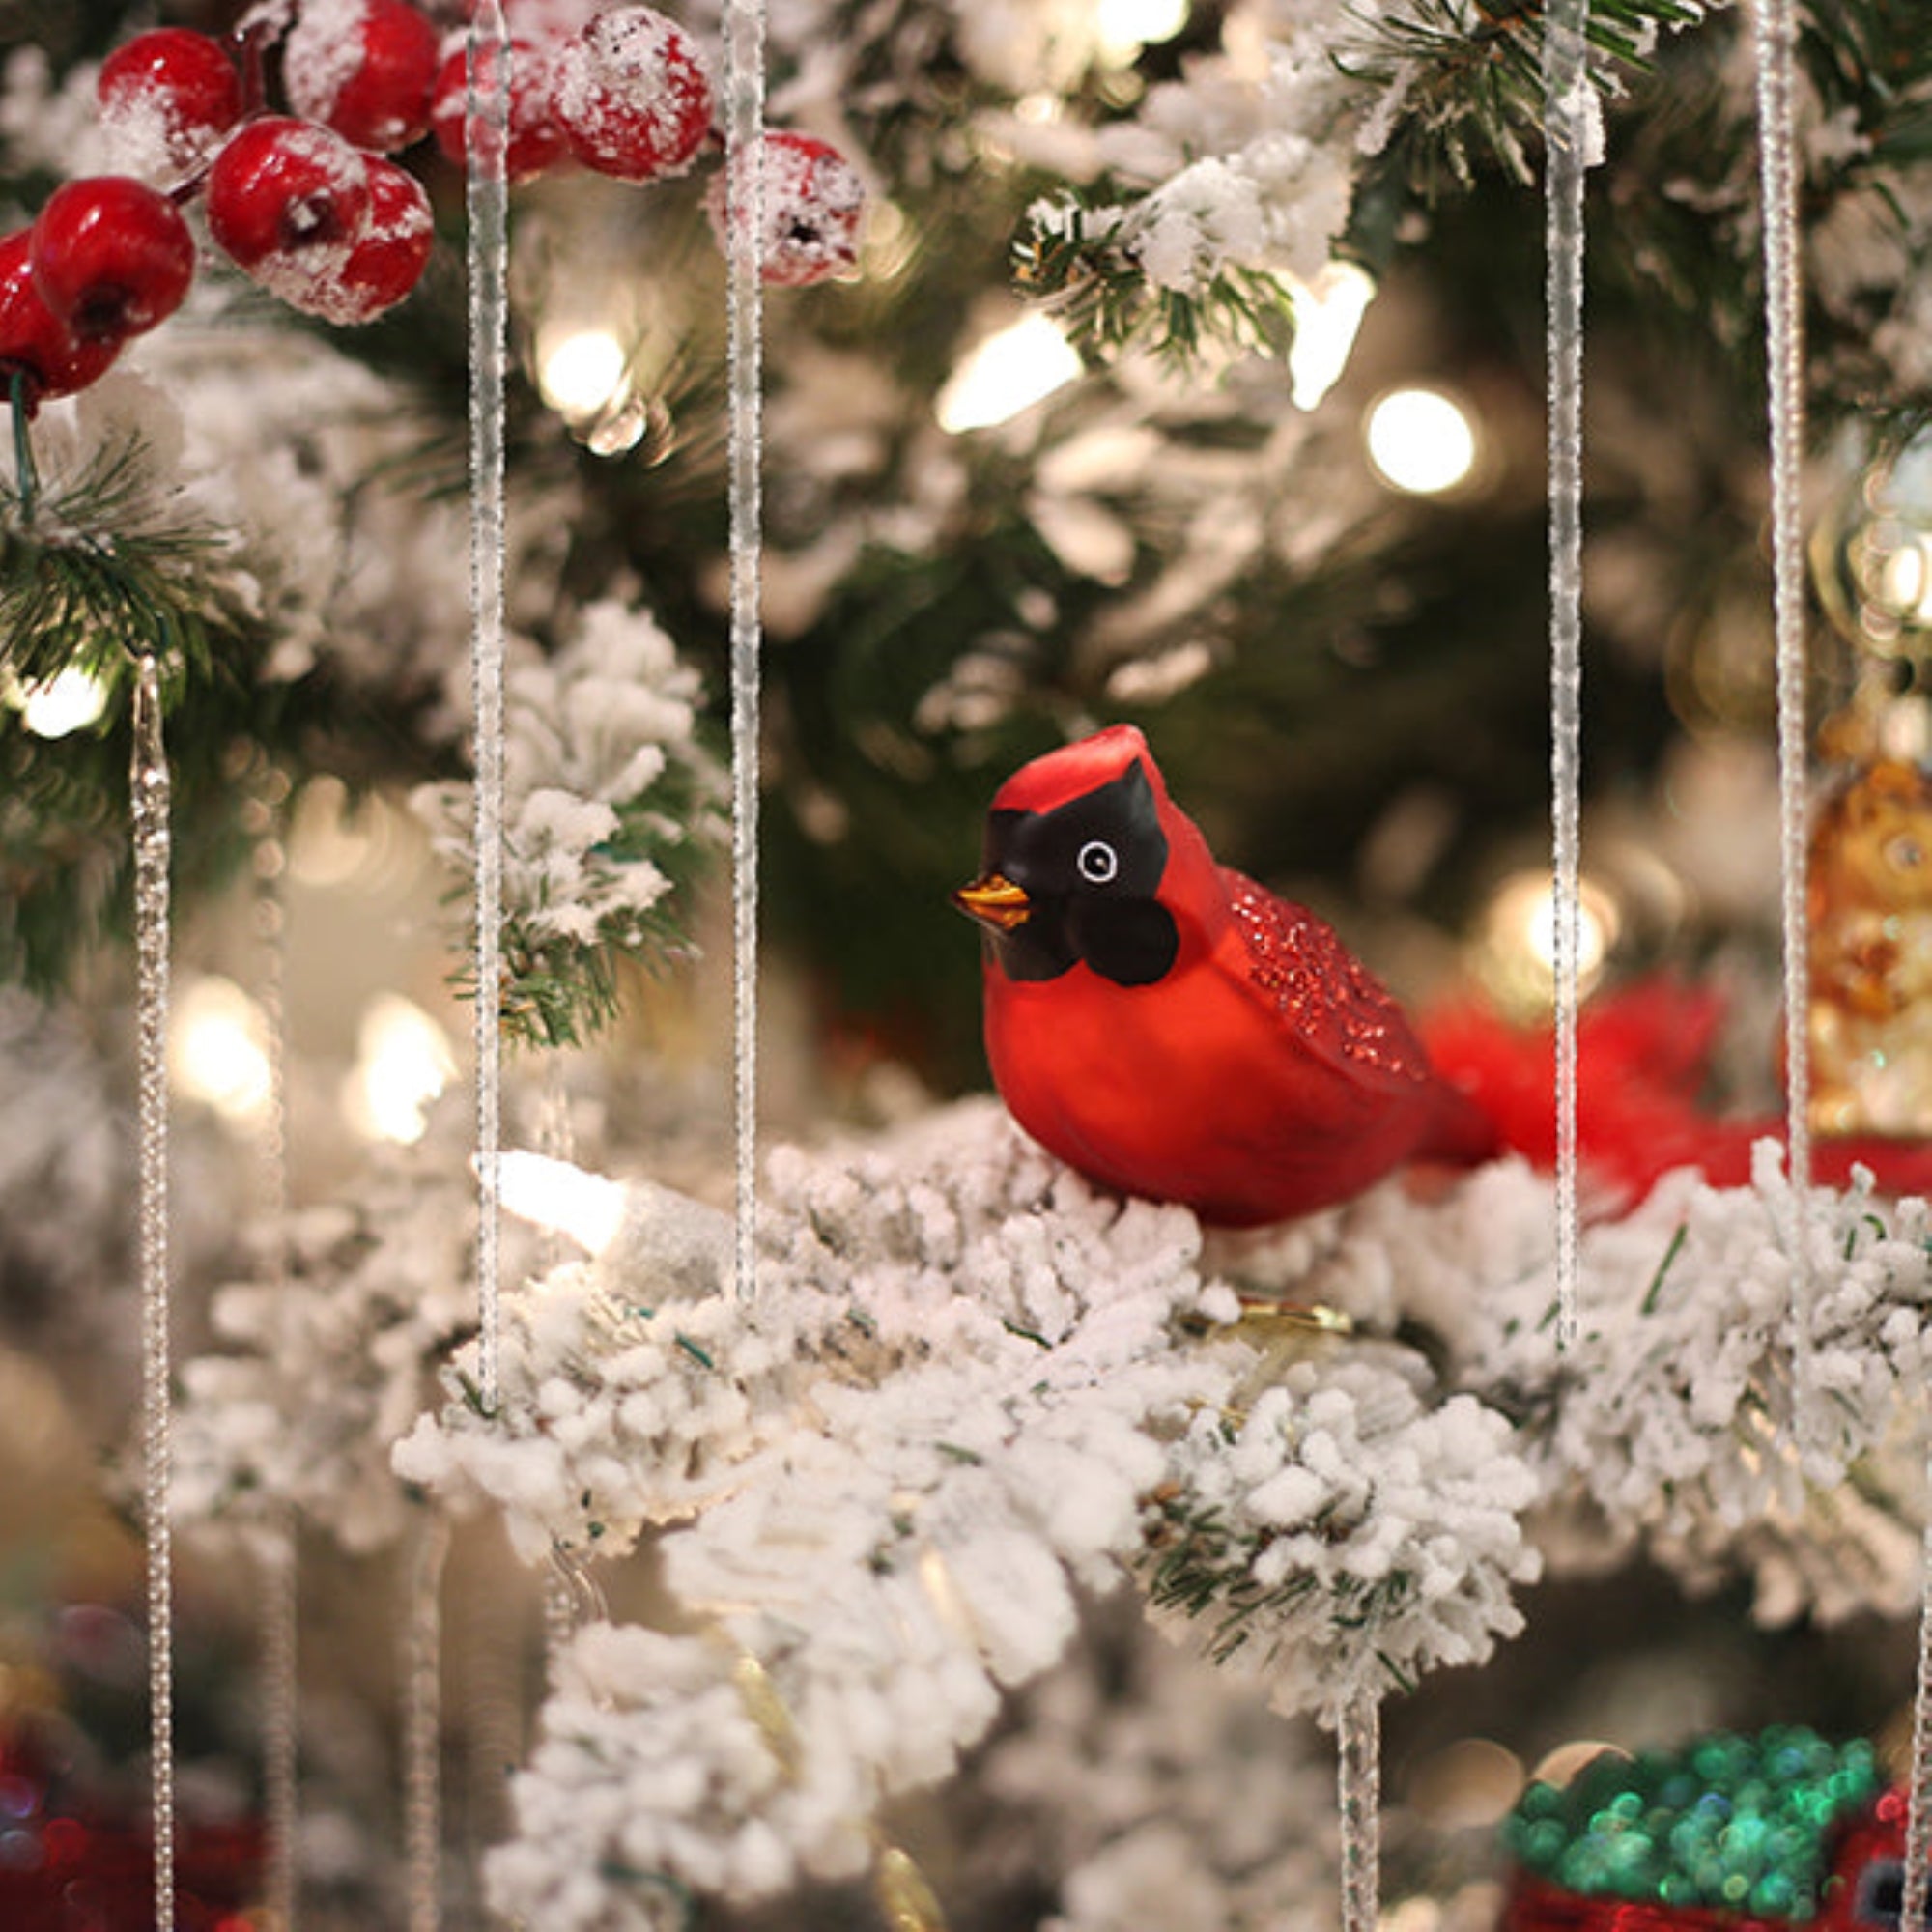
{"type": "Point", "coordinates": [972, 1389]}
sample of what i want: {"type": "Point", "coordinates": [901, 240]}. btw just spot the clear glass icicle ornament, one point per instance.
{"type": "Point", "coordinates": [1358, 1780]}
{"type": "Point", "coordinates": [1568, 121]}
{"type": "Point", "coordinates": [149, 792]}
{"type": "Point", "coordinates": [1911, 1909]}
{"type": "Point", "coordinates": [422, 1726]}
{"type": "Point", "coordinates": [486, 148]}
{"type": "Point", "coordinates": [744, 118]}
{"type": "Point", "coordinates": [1775, 42]}
{"type": "Point", "coordinates": [277, 1564]}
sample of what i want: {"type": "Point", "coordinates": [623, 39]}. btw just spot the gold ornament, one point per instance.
{"type": "Point", "coordinates": [1871, 554]}
{"type": "Point", "coordinates": [1870, 895]}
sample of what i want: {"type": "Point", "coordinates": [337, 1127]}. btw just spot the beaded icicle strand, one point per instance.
{"type": "Point", "coordinates": [149, 790]}
{"type": "Point", "coordinates": [1567, 111]}
{"type": "Point", "coordinates": [744, 116]}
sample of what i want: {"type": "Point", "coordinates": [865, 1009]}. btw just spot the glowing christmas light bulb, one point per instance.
{"type": "Point", "coordinates": [580, 373]}
{"type": "Point", "coordinates": [1328, 314]}
{"type": "Point", "coordinates": [1421, 442]}
{"type": "Point", "coordinates": [68, 702]}
{"type": "Point", "coordinates": [1006, 373]}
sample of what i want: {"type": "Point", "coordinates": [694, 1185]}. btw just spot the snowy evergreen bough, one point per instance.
{"type": "Point", "coordinates": [612, 805]}
{"type": "Point", "coordinates": [969, 1387]}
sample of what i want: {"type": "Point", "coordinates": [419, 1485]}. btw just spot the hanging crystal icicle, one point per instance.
{"type": "Point", "coordinates": [486, 137]}
{"type": "Point", "coordinates": [280, 1728]}
{"type": "Point", "coordinates": [1776, 42]}
{"type": "Point", "coordinates": [1358, 1779]}
{"type": "Point", "coordinates": [423, 1727]}
{"type": "Point", "coordinates": [1568, 121]}
{"type": "Point", "coordinates": [277, 1562]}
{"type": "Point", "coordinates": [573, 1597]}
{"type": "Point", "coordinates": [1911, 1909]}
{"type": "Point", "coordinates": [744, 119]}
{"type": "Point", "coordinates": [149, 789]}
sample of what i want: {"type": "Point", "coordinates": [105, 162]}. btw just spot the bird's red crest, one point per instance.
{"type": "Point", "coordinates": [1074, 770]}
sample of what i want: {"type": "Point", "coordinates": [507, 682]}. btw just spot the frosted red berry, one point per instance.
{"type": "Point", "coordinates": [111, 256]}
{"type": "Point", "coordinates": [390, 259]}
{"type": "Point", "coordinates": [34, 341]}
{"type": "Point", "coordinates": [287, 202]}
{"type": "Point", "coordinates": [811, 204]}
{"type": "Point", "coordinates": [632, 95]}
{"type": "Point", "coordinates": [167, 96]}
{"type": "Point", "coordinates": [365, 68]}
{"type": "Point", "coordinates": [536, 142]}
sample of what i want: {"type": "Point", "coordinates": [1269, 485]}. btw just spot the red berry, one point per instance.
{"type": "Point", "coordinates": [535, 143]}
{"type": "Point", "coordinates": [288, 201]}
{"type": "Point", "coordinates": [388, 260]}
{"type": "Point", "coordinates": [812, 202]}
{"type": "Point", "coordinates": [632, 95]}
{"type": "Point", "coordinates": [35, 340]}
{"type": "Point", "coordinates": [166, 98]}
{"type": "Point", "coordinates": [111, 256]}
{"type": "Point", "coordinates": [367, 67]}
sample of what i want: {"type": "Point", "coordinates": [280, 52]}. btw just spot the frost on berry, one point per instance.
{"type": "Point", "coordinates": [632, 95]}
{"type": "Point", "coordinates": [288, 201]}
{"type": "Point", "coordinates": [388, 260]}
{"type": "Point", "coordinates": [366, 68]}
{"type": "Point", "coordinates": [534, 141]}
{"type": "Point", "coordinates": [167, 98]}
{"type": "Point", "coordinates": [111, 256]}
{"type": "Point", "coordinates": [811, 204]}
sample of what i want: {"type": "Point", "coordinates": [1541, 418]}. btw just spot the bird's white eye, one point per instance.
{"type": "Point", "coordinates": [1098, 862]}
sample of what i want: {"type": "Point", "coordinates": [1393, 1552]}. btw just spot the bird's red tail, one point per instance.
{"type": "Point", "coordinates": [1642, 1057]}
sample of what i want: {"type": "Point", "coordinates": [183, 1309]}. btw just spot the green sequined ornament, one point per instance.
{"type": "Point", "coordinates": [1734, 1823]}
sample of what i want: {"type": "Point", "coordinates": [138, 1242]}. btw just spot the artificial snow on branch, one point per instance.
{"type": "Point", "coordinates": [610, 804]}
{"type": "Point", "coordinates": [326, 1353]}
{"type": "Point", "coordinates": [968, 1385]}
{"type": "Point", "coordinates": [1673, 1422]}
{"type": "Point", "coordinates": [970, 1388]}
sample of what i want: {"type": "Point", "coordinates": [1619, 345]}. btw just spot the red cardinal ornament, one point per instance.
{"type": "Point", "coordinates": [1170, 1028]}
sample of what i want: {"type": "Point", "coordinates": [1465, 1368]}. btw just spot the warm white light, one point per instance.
{"type": "Point", "coordinates": [1421, 442]}
{"type": "Point", "coordinates": [1328, 313]}
{"type": "Point", "coordinates": [1519, 949]}
{"type": "Point", "coordinates": [218, 1048]}
{"type": "Point", "coordinates": [1905, 579]}
{"type": "Point", "coordinates": [1123, 27]}
{"type": "Point", "coordinates": [562, 1199]}
{"type": "Point", "coordinates": [580, 373]}
{"type": "Point", "coordinates": [1593, 939]}
{"type": "Point", "coordinates": [68, 702]}
{"type": "Point", "coordinates": [1005, 374]}
{"type": "Point", "coordinates": [404, 1062]}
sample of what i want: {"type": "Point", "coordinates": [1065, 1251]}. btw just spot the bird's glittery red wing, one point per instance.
{"type": "Point", "coordinates": [1336, 1009]}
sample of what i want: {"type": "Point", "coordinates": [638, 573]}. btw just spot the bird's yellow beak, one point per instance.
{"type": "Point", "coordinates": [994, 901]}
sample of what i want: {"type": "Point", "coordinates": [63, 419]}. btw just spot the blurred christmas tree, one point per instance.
{"type": "Point", "coordinates": [1189, 373]}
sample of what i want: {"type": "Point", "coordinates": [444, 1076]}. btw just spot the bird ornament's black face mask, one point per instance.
{"type": "Point", "coordinates": [1077, 884]}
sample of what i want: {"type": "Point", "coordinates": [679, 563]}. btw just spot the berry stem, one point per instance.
{"type": "Point", "coordinates": [26, 474]}
{"type": "Point", "coordinates": [253, 35]}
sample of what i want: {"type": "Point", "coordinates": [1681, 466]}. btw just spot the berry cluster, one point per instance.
{"type": "Point", "coordinates": [103, 260]}
{"type": "Point", "coordinates": [309, 202]}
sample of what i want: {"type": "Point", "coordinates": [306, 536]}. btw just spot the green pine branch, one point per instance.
{"type": "Point", "coordinates": [1473, 78]}
{"type": "Point", "coordinates": [1077, 259]}
{"type": "Point", "coordinates": [1470, 75]}
{"type": "Point", "coordinates": [95, 573]}
{"type": "Point", "coordinates": [1196, 1564]}
{"type": "Point", "coordinates": [561, 992]}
